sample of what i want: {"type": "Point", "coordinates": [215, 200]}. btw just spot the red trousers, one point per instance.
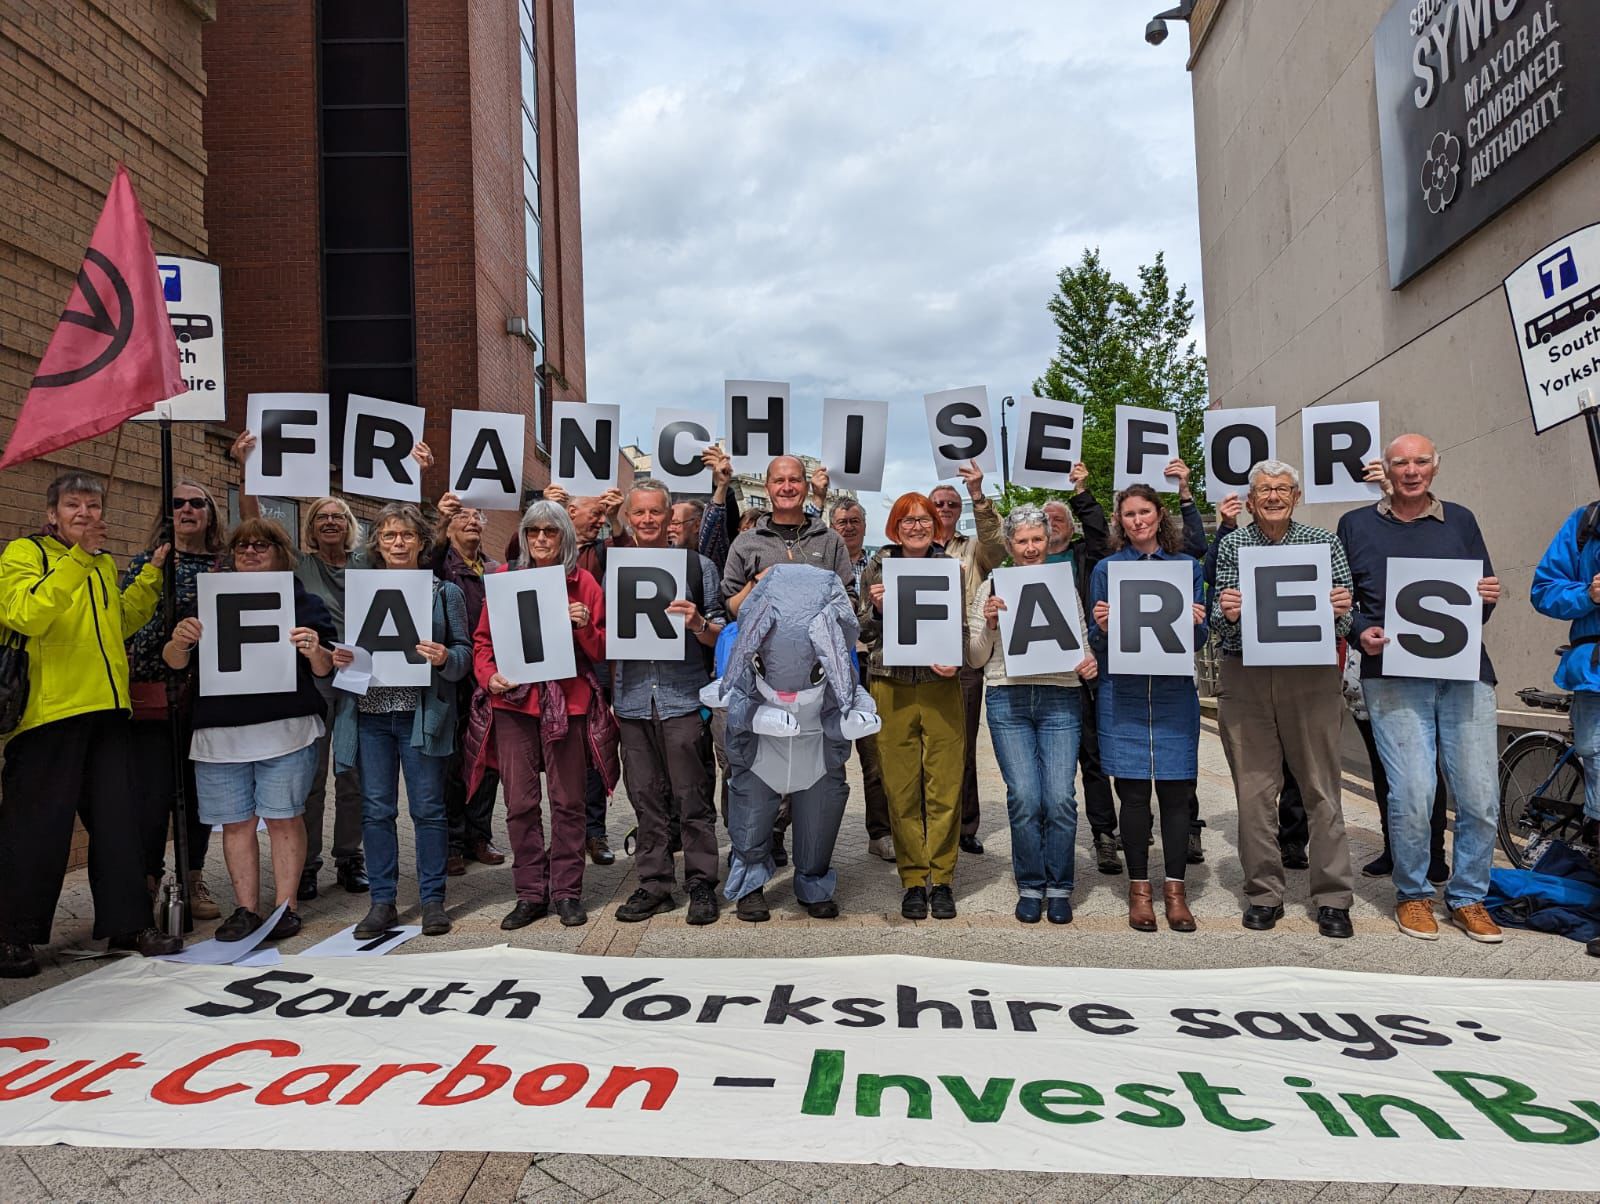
{"type": "Point", "coordinates": [540, 875]}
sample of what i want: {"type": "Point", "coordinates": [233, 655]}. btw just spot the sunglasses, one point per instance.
{"type": "Point", "coordinates": [542, 532]}
{"type": "Point", "coordinates": [254, 545]}
{"type": "Point", "coordinates": [194, 503]}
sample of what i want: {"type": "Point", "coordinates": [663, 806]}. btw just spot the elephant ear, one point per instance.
{"type": "Point", "coordinates": [833, 633]}
{"type": "Point", "coordinates": [757, 617]}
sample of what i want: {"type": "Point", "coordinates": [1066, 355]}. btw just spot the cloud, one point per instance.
{"type": "Point", "coordinates": [866, 200]}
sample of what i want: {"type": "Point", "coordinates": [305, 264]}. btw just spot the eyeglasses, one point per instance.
{"type": "Point", "coordinates": [330, 518]}
{"type": "Point", "coordinates": [397, 536]}
{"type": "Point", "coordinates": [254, 545]}
{"type": "Point", "coordinates": [947, 504]}
{"type": "Point", "coordinates": [847, 522]}
{"type": "Point", "coordinates": [469, 516]}
{"type": "Point", "coordinates": [1276, 491]}
{"type": "Point", "coordinates": [542, 532]}
{"type": "Point", "coordinates": [916, 524]}
{"type": "Point", "coordinates": [194, 503]}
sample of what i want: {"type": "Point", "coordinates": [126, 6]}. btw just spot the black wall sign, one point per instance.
{"type": "Point", "coordinates": [1478, 101]}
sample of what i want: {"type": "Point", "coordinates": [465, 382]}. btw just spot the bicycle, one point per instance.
{"type": "Point", "coordinates": [1541, 787]}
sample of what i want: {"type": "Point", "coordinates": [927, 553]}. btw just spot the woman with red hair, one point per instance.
{"type": "Point", "coordinates": [922, 743]}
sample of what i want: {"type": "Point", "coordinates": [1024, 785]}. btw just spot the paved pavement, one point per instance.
{"type": "Point", "coordinates": [869, 892]}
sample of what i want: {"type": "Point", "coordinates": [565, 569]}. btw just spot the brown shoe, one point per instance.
{"type": "Point", "coordinates": [599, 851]}
{"type": "Point", "coordinates": [455, 865]}
{"type": "Point", "coordinates": [201, 905]}
{"type": "Point", "coordinates": [485, 852]}
{"type": "Point", "coordinates": [1415, 918]}
{"type": "Point", "coordinates": [1473, 919]}
{"type": "Point", "coordinates": [1141, 915]}
{"type": "Point", "coordinates": [1179, 917]}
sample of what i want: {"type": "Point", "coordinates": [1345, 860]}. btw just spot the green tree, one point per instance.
{"type": "Point", "coordinates": [1119, 345]}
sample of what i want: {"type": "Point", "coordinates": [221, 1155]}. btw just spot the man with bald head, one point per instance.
{"type": "Point", "coordinates": [1414, 719]}
{"type": "Point", "coordinates": [784, 534]}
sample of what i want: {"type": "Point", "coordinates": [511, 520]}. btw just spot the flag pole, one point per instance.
{"type": "Point", "coordinates": [178, 920]}
{"type": "Point", "coordinates": [111, 473]}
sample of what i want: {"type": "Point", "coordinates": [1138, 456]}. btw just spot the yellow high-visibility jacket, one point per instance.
{"type": "Point", "coordinates": [77, 621]}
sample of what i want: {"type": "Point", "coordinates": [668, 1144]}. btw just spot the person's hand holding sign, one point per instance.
{"type": "Point", "coordinates": [1231, 603]}
{"type": "Point", "coordinates": [1342, 602]}
{"type": "Point", "coordinates": [1180, 470]}
{"type": "Point", "coordinates": [972, 476]}
{"type": "Point", "coordinates": [819, 486]}
{"type": "Point", "coordinates": [991, 611]}
{"type": "Point", "coordinates": [944, 670]}
{"type": "Point", "coordinates": [1102, 615]}
{"type": "Point", "coordinates": [1489, 589]}
{"type": "Point", "coordinates": [1230, 509]}
{"type": "Point", "coordinates": [1373, 640]}
{"type": "Point", "coordinates": [579, 614]}
{"type": "Point", "coordinates": [434, 654]}
{"type": "Point", "coordinates": [875, 594]}
{"type": "Point", "coordinates": [1079, 477]}
{"type": "Point", "coordinates": [498, 684]}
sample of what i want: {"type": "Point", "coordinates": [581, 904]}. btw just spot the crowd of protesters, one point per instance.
{"type": "Point", "coordinates": [111, 686]}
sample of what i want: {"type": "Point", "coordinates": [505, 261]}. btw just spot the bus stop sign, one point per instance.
{"type": "Point", "coordinates": [1555, 311]}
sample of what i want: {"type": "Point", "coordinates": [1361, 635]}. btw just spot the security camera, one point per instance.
{"type": "Point", "coordinates": [1156, 32]}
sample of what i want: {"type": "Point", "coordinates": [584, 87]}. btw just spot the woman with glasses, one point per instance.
{"type": "Point", "coordinates": [921, 744]}
{"type": "Point", "coordinates": [1035, 722]}
{"type": "Point", "coordinates": [458, 557]}
{"type": "Point", "coordinates": [329, 539]}
{"type": "Point", "coordinates": [1149, 727]}
{"type": "Point", "coordinates": [391, 730]}
{"type": "Point", "coordinates": [194, 530]}
{"type": "Point", "coordinates": [253, 754]}
{"type": "Point", "coordinates": [558, 726]}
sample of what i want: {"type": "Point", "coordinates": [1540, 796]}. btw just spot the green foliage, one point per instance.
{"type": "Point", "coordinates": [1122, 346]}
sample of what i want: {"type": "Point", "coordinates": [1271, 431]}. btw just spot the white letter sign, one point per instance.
{"type": "Point", "coordinates": [529, 624]}
{"type": "Point", "coordinates": [1152, 617]}
{"type": "Point", "coordinates": [922, 611]}
{"type": "Point", "coordinates": [1433, 618]}
{"type": "Point", "coordinates": [681, 437]}
{"type": "Point", "coordinates": [1337, 443]}
{"type": "Point", "coordinates": [584, 446]}
{"type": "Point", "coordinates": [758, 422]}
{"type": "Point", "coordinates": [1147, 441]}
{"type": "Point", "coordinates": [486, 459]}
{"type": "Point", "coordinates": [378, 438]}
{"type": "Point", "coordinates": [244, 633]}
{"type": "Point", "coordinates": [1286, 610]}
{"type": "Point", "coordinates": [1041, 627]}
{"type": "Point", "coordinates": [1236, 441]}
{"type": "Point", "coordinates": [1049, 443]}
{"type": "Point", "coordinates": [389, 612]}
{"type": "Point", "coordinates": [855, 441]}
{"type": "Point", "coordinates": [640, 584]}
{"type": "Point", "coordinates": [291, 451]}
{"type": "Point", "coordinates": [958, 430]}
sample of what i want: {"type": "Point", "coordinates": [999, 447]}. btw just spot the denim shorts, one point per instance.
{"type": "Point", "coordinates": [271, 789]}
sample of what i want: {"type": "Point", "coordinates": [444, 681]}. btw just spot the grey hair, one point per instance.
{"type": "Point", "coordinates": [845, 503]}
{"type": "Point", "coordinates": [408, 515]}
{"type": "Point", "coordinates": [548, 514]}
{"type": "Point", "coordinates": [694, 504]}
{"type": "Point", "coordinates": [1024, 516]}
{"type": "Point", "coordinates": [647, 485]}
{"type": "Point", "coordinates": [73, 482]}
{"type": "Point", "coordinates": [1274, 468]}
{"type": "Point", "coordinates": [1388, 448]}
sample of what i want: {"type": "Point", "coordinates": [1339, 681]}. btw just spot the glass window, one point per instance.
{"type": "Point", "coordinates": [529, 82]}
{"type": "Point", "coordinates": [531, 245]}
{"type": "Point", "coordinates": [530, 143]}
{"type": "Point", "coordinates": [525, 20]}
{"type": "Point", "coordinates": [376, 282]}
{"type": "Point", "coordinates": [367, 73]}
{"type": "Point", "coordinates": [363, 130]}
{"type": "Point", "coordinates": [364, 202]}
{"type": "Point", "coordinates": [363, 18]}
{"type": "Point", "coordinates": [369, 341]}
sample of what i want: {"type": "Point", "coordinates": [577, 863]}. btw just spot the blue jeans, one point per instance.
{"type": "Point", "coordinates": [384, 750]}
{"type": "Point", "coordinates": [1413, 722]}
{"type": "Point", "coordinates": [1586, 743]}
{"type": "Point", "coordinates": [1035, 730]}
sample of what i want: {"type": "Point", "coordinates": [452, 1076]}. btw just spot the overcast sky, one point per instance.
{"type": "Point", "coordinates": [866, 198]}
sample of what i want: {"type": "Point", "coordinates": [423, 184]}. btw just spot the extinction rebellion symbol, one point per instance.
{"type": "Point", "coordinates": [114, 322]}
{"type": "Point", "coordinates": [1441, 172]}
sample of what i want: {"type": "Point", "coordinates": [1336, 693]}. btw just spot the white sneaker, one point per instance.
{"type": "Point", "coordinates": [882, 846]}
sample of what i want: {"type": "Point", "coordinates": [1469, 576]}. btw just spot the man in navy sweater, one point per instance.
{"type": "Point", "coordinates": [1414, 719]}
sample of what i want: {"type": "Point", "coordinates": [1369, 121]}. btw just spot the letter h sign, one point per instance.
{"type": "Point", "coordinates": [1558, 273]}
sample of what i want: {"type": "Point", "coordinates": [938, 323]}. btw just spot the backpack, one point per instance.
{"type": "Point", "coordinates": [1586, 528]}
{"type": "Point", "coordinates": [14, 668]}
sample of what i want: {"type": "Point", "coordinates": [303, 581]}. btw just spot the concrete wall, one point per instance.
{"type": "Point", "coordinates": [1298, 308]}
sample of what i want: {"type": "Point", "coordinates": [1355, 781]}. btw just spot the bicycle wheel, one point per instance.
{"type": "Point", "coordinates": [1541, 796]}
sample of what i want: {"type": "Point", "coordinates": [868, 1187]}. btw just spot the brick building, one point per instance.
{"type": "Point", "coordinates": [393, 200]}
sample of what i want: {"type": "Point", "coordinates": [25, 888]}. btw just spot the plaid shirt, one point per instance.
{"type": "Point", "coordinates": [1250, 536]}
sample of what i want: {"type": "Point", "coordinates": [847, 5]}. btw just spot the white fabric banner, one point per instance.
{"type": "Point", "coordinates": [1433, 618]}
{"type": "Point", "coordinates": [1270, 1073]}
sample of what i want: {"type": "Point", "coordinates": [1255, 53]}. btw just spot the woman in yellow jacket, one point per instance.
{"type": "Point", "coordinates": [69, 754]}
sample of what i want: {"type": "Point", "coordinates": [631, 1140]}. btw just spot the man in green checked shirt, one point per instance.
{"type": "Point", "coordinates": [1273, 714]}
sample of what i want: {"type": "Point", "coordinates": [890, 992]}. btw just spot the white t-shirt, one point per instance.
{"type": "Point", "coordinates": [254, 741]}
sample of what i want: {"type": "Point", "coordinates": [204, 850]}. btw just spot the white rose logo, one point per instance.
{"type": "Point", "coordinates": [1441, 172]}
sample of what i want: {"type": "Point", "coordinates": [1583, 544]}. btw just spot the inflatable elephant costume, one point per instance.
{"type": "Point", "coordinates": [794, 709]}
